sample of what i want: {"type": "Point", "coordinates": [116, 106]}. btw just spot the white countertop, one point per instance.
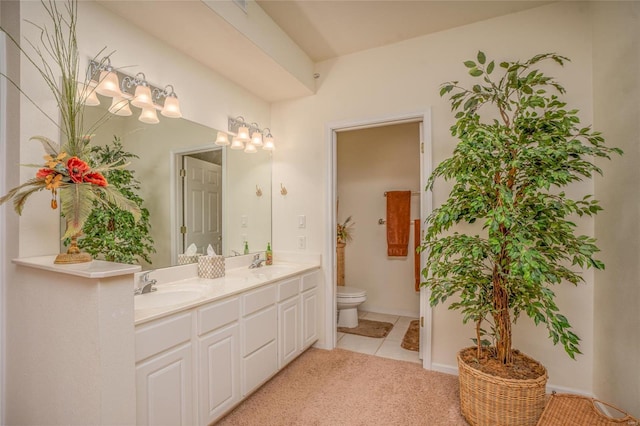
{"type": "Point", "coordinates": [93, 269]}
{"type": "Point", "coordinates": [235, 281]}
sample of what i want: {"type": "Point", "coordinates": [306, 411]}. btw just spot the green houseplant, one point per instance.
{"type": "Point", "coordinates": [518, 146]}
{"type": "Point", "coordinates": [113, 233]}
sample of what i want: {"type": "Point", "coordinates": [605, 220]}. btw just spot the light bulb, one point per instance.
{"type": "Point", "coordinates": [268, 143]}
{"type": "Point", "coordinates": [256, 138]}
{"type": "Point", "coordinates": [86, 94]}
{"type": "Point", "coordinates": [149, 116]}
{"type": "Point", "coordinates": [108, 84]}
{"type": "Point", "coordinates": [142, 97]}
{"type": "Point", "coordinates": [171, 107]}
{"type": "Point", "coordinates": [236, 143]}
{"type": "Point", "coordinates": [222, 139]}
{"type": "Point", "coordinates": [120, 106]}
{"type": "Point", "coordinates": [243, 134]}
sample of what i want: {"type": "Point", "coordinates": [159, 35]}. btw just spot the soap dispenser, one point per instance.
{"type": "Point", "coordinates": [268, 255]}
{"type": "Point", "coordinates": [246, 247]}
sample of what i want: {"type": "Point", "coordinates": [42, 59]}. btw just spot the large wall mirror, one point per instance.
{"type": "Point", "coordinates": [196, 192]}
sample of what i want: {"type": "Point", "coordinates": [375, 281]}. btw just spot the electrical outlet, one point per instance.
{"type": "Point", "coordinates": [302, 242]}
{"type": "Point", "coordinates": [244, 221]}
{"type": "Point", "coordinates": [302, 221]}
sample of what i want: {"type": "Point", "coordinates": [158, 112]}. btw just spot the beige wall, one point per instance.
{"type": "Point", "coordinates": [616, 82]}
{"type": "Point", "coordinates": [370, 162]}
{"type": "Point", "coordinates": [404, 78]}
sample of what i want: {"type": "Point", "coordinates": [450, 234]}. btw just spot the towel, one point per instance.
{"type": "Point", "coordinates": [398, 226]}
{"type": "Point", "coordinates": [416, 259]}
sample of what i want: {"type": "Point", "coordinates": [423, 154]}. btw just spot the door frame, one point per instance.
{"type": "Point", "coordinates": [175, 195]}
{"type": "Point", "coordinates": [426, 205]}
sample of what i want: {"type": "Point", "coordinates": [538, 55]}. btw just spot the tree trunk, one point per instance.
{"type": "Point", "coordinates": [502, 321]}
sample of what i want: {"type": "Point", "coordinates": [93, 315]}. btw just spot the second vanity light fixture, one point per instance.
{"type": "Point", "coordinates": [125, 89]}
{"type": "Point", "coordinates": [248, 137]}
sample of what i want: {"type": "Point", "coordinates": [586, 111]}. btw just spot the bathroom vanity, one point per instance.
{"type": "Point", "coordinates": [88, 352]}
{"type": "Point", "coordinates": [197, 359]}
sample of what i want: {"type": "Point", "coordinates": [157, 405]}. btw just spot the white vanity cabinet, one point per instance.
{"type": "Point", "coordinates": [194, 366]}
{"type": "Point", "coordinates": [218, 373]}
{"type": "Point", "coordinates": [164, 372]}
{"type": "Point", "coordinates": [259, 333]}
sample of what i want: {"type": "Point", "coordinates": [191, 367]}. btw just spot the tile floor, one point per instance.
{"type": "Point", "coordinates": [387, 347]}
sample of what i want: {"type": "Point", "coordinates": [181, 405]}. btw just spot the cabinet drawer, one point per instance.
{"type": "Point", "coordinates": [218, 314]}
{"type": "Point", "coordinates": [259, 329]}
{"type": "Point", "coordinates": [311, 280]}
{"type": "Point", "coordinates": [161, 335]}
{"type": "Point", "coordinates": [258, 367]}
{"type": "Point", "coordinates": [258, 299]}
{"type": "Point", "coordinates": [288, 288]}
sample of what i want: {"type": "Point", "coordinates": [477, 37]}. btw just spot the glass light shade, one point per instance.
{"type": "Point", "coordinates": [243, 134]}
{"type": "Point", "coordinates": [256, 139]}
{"type": "Point", "coordinates": [142, 97]}
{"type": "Point", "coordinates": [236, 143]}
{"type": "Point", "coordinates": [149, 116]}
{"type": "Point", "coordinates": [222, 139]}
{"type": "Point", "coordinates": [86, 94]}
{"type": "Point", "coordinates": [120, 106]}
{"type": "Point", "coordinates": [108, 84]}
{"type": "Point", "coordinates": [171, 107]}
{"type": "Point", "coordinates": [250, 148]}
{"type": "Point", "coordinates": [268, 143]}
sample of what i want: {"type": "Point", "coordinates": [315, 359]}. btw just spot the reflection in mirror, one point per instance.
{"type": "Point", "coordinates": [223, 210]}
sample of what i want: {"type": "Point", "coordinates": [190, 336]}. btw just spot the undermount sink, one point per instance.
{"type": "Point", "coordinates": [273, 270]}
{"type": "Point", "coordinates": [168, 297]}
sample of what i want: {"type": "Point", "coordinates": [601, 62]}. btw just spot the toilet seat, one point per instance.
{"type": "Point", "coordinates": [350, 292]}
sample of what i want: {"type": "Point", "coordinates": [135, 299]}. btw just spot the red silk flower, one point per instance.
{"type": "Point", "coordinates": [95, 179]}
{"type": "Point", "coordinates": [43, 173]}
{"type": "Point", "coordinates": [77, 169]}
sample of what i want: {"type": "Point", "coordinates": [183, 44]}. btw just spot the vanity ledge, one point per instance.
{"type": "Point", "coordinates": [94, 270]}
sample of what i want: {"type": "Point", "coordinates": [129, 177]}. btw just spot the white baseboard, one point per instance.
{"type": "Point", "coordinates": [444, 368]}
{"type": "Point", "coordinates": [387, 311]}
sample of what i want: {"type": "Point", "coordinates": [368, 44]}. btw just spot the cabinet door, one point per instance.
{"type": "Point", "coordinates": [219, 374]}
{"type": "Point", "coordinates": [309, 317]}
{"type": "Point", "coordinates": [288, 331]}
{"type": "Point", "coordinates": [164, 388]}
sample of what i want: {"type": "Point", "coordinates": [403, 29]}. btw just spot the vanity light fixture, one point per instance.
{"type": "Point", "coordinates": [259, 137]}
{"type": "Point", "coordinates": [124, 89]}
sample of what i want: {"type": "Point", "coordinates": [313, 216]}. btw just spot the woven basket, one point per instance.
{"type": "Point", "coordinates": [494, 401]}
{"type": "Point", "coordinates": [575, 410]}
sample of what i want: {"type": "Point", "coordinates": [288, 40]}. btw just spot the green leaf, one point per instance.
{"type": "Point", "coordinates": [469, 64]}
{"type": "Point", "coordinates": [481, 58]}
{"type": "Point", "coordinates": [490, 67]}
{"type": "Point", "coordinates": [475, 72]}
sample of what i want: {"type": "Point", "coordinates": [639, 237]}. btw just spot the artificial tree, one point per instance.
{"type": "Point", "coordinates": [518, 146]}
{"type": "Point", "coordinates": [112, 233]}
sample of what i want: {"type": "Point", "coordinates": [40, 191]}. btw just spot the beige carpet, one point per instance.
{"type": "Point", "coordinates": [343, 388]}
{"type": "Point", "coordinates": [369, 328]}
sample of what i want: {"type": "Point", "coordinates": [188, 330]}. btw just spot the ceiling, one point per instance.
{"type": "Point", "coordinates": [322, 29]}
{"type": "Point", "coordinates": [327, 29]}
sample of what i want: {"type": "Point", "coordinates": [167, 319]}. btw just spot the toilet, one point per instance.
{"type": "Point", "coordinates": [349, 298]}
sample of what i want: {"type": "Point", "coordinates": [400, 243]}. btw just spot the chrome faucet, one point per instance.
{"type": "Point", "coordinates": [257, 262]}
{"type": "Point", "coordinates": [147, 284]}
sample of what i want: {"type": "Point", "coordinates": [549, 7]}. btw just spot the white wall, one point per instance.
{"type": "Point", "coordinates": [616, 81]}
{"type": "Point", "coordinates": [370, 162]}
{"type": "Point", "coordinates": [405, 78]}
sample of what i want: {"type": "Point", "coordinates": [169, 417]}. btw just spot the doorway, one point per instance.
{"type": "Point", "coordinates": [368, 225]}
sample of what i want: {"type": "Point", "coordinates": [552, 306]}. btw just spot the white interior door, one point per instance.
{"type": "Point", "coordinates": [202, 192]}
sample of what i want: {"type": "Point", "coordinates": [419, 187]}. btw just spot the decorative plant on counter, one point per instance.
{"type": "Point", "coordinates": [67, 171]}
{"type": "Point", "coordinates": [509, 166]}
{"type": "Point", "coordinates": [113, 233]}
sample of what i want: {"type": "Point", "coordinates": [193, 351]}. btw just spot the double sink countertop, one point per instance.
{"type": "Point", "coordinates": [175, 295]}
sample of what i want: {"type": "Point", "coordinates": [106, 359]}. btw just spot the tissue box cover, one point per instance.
{"type": "Point", "coordinates": [211, 266]}
{"type": "Point", "coordinates": [184, 259]}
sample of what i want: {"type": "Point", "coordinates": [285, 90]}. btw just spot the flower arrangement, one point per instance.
{"type": "Point", "coordinates": [345, 231]}
{"type": "Point", "coordinates": [68, 171]}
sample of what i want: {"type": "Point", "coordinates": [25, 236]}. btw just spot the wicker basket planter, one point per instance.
{"type": "Point", "coordinates": [494, 401]}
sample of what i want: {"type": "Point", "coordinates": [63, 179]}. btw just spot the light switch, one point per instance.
{"type": "Point", "coordinates": [302, 221]}
{"type": "Point", "coordinates": [302, 242]}
{"type": "Point", "coordinates": [244, 221]}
